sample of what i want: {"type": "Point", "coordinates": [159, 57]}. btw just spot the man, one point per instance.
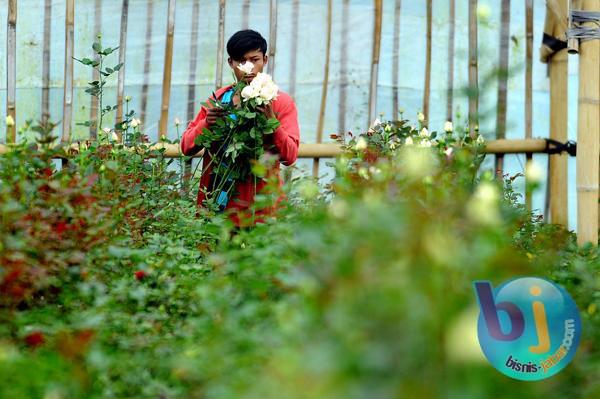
{"type": "Point", "coordinates": [243, 46]}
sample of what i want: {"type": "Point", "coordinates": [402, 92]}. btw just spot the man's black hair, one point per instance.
{"type": "Point", "coordinates": [243, 41]}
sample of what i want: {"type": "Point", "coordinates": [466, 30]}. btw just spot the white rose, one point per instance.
{"type": "Point", "coordinates": [448, 151]}
{"type": "Point", "coordinates": [269, 92]}
{"type": "Point", "coordinates": [425, 143]}
{"type": "Point", "coordinates": [246, 67]}
{"type": "Point", "coordinates": [448, 127]}
{"type": "Point", "coordinates": [261, 80]}
{"type": "Point", "coordinates": [134, 122]}
{"type": "Point", "coordinates": [10, 121]}
{"type": "Point", "coordinates": [249, 92]}
{"type": "Point", "coordinates": [424, 132]}
{"type": "Point", "coordinates": [361, 144]}
{"type": "Point", "coordinates": [114, 136]}
{"type": "Point", "coordinates": [408, 141]}
{"type": "Point", "coordinates": [421, 117]}
{"type": "Point", "coordinates": [177, 121]}
{"type": "Point", "coordinates": [533, 172]}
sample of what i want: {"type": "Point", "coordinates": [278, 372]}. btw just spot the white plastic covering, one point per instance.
{"type": "Point", "coordinates": [309, 69]}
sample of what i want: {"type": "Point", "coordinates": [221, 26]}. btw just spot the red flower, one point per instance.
{"type": "Point", "coordinates": [47, 172]}
{"type": "Point", "coordinates": [140, 274]}
{"type": "Point", "coordinates": [60, 227]}
{"type": "Point", "coordinates": [34, 339]}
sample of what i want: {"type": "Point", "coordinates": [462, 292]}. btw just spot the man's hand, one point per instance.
{"type": "Point", "coordinates": [267, 110]}
{"type": "Point", "coordinates": [214, 114]}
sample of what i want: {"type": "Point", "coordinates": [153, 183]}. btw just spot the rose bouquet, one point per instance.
{"type": "Point", "coordinates": [238, 140]}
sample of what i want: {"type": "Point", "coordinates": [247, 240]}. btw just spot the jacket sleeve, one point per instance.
{"type": "Point", "coordinates": [193, 130]}
{"type": "Point", "coordinates": [286, 137]}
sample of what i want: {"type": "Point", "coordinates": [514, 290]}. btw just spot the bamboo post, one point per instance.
{"type": "Point", "coordinates": [46, 61]}
{"type": "Point", "coordinates": [68, 91]}
{"type": "Point", "coordinates": [147, 57]}
{"type": "Point", "coordinates": [95, 74]}
{"type": "Point", "coordinates": [396, 59]}
{"type": "Point", "coordinates": [245, 14]}
{"type": "Point", "coordinates": [122, 47]}
{"type": "Point", "coordinates": [502, 81]}
{"type": "Point", "coordinates": [451, 34]}
{"type": "Point", "coordinates": [220, 44]}
{"type": "Point", "coordinates": [375, 59]}
{"type": "Point", "coordinates": [473, 84]}
{"type": "Point", "coordinates": [191, 96]}
{"type": "Point", "coordinates": [588, 135]}
{"type": "Point", "coordinates": [528, 84]}
{"type": "Point", "coordinates": [343, 68]}
{"type": "Point", "coordinates": [272, 37]}
{"type": "Point", "coordinates": [166, 84]}
{"type": "Point", "coordinates": [427, 88]}
{"type": "Point", "coordinates": [559, 85]}
{"type": "Point", "coordinates": [294, 47]}
{"type": "Point", "coordinates": [11, 71]}
{"type": "Point", "coordinates": [321, 121]}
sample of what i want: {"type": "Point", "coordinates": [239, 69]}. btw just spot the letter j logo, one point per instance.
{"type": "Point", "coordinates": [528, 328]}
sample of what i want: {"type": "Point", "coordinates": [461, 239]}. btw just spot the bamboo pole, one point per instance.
{"type": "Point", "coordinates": [95, 74]}
{"type": "Point", "coordinates": [166, 84]}
{"type": "Point", "coordinates": [272, 37]}
{"type": "Point", "coordinates": [427, 88]}
{"type": "Point", "coordinates": [191, 96]}
{"type": "Point", "coordinates": [473, 84]}
{"type": "Point", "coordinates": [529, 85]}
{"type": "Point", "coordinates": [375, 59]}
{"type": "Point", "coordinates": [46, 61]}
{"type": "Point", "coordinates": [588, 135]}
{"type": "Point", "coordinates": [220, 45]}
{"type": "Point", "coordinates": [343, 68]}
{"type": "Point", "coordinates": [122, 48]}
{"type": "Point", "coordinates": [11, 71]}
{"type": "Point", "coordinates": [395, 60]}
{"type": "Point", "coordinates": [329, 150]}
{"type": "Point", "coordinates": [245, 14]}
{"type": "Point", "coordinates": [294, 47]}
{"type": "Point", "coordinates": [451, 34]}
{"type": "Point", "coordinates": [321, 120]}
{"type": "Point", "coordinates": [68, 91]}
{"type": "Point", "coordinates": [502, 81]}
{"type": "Point", "coordinates": [559, 85]}
{"type": "Point", "coordinates": [147, 57]}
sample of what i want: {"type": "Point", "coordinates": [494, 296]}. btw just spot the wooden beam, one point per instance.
{"type": "Point", "coordinates": [451, 34]}
{"type": "Point", "coordinates": [588, 135]}
{"type": "Point", "coordinates": [122, 53]}
{"type": "Point", "coordinates": [321, 120]}
{"type": "Point", "coordinates": [11, 71]}
{"type": "Point", "coordinates": [166, 84]}
{"type": "Point", "coordinates": [68, 90]}
{"type": "Point", "coordinates": [375, 60]}
{"type": "Point", "coordinates": [473, 75]}
{"type": "Point", "coordinates": [427, 85]}
{"type": "Point", "coordinates": [220, 45]}
{"type": "Point", "coordinates": [46, 61]}
{"type": "Point", "coordinates": [272, 37]}
{"type": "Point", "coordinates": [329, 150]}
{"type": "Point", "coordinates": [341, 109]}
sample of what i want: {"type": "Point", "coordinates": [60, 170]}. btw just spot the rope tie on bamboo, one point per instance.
{"type": "Point", "coordinates": [578, 31]}
{"type": "Point", "coordinates": [556, 147]}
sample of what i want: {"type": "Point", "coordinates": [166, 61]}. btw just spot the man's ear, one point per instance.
{"type": "Point", "coordinates": [265, 59]}
{"type": "Point", "coordinates": [229, 62]}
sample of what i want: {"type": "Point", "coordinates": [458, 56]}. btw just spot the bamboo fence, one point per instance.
{"type": "Point", "coordinates": [588, 159]}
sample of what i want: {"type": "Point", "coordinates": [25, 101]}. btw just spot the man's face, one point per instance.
{"type": "Point", "coordinates": [256, 57]}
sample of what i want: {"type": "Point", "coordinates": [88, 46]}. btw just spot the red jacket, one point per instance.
{"type": "Point", "coordinates": [286, 140]}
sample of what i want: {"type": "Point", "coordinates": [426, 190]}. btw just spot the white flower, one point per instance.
{"type": "Point", "coordinates": [448, 127]}
{"type": "Point", "coordinates": [246, 67]}
{"type": "Point", "coordinates": [10, 122]}
{"type": "Point", "coordinates": [421, 117]}
{"type": "Point", "coordinates": [269, 92]}
{"type": "Point", "coordinates": [249, 92]}
{"type": "Point", "coordinates": [483, 11]}
{"type": "Point", "coordinates": [114, 136]}
{"type": "Point", "coordinates": [361, 144]}
{"type": "Point", "coordinates": [134, 122]}
{"type": "Point", "coordinates": [448, 151]}
{"type": "Point", "coordinates": [483, 205]}
{"type": "Point", "coordinates": [480, 139]}
{"type": "Point", "coordinates": [408, 141]}
{"type": "Point", "coordinates": [376, 122]}
{"type": "Point", "coordinates": [127, 98]}
{"type": "Point", "coordinates": [533, 172]}
{"type": "Point", "coordinates": [425, 143]}
{"type": "Point", "coordinates": [106, 130]}
{"type": "Point", "coordinates": [417, 162]}
{"type": "Point", "coordinates": [392, 145]}
{"type": "Point", "coordinates": [177, 121]}
{"type": "Point", "coordinates": [424, 132]}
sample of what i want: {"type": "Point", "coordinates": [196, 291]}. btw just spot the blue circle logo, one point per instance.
{"type": "Point", "coordinates": [528, 328]}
